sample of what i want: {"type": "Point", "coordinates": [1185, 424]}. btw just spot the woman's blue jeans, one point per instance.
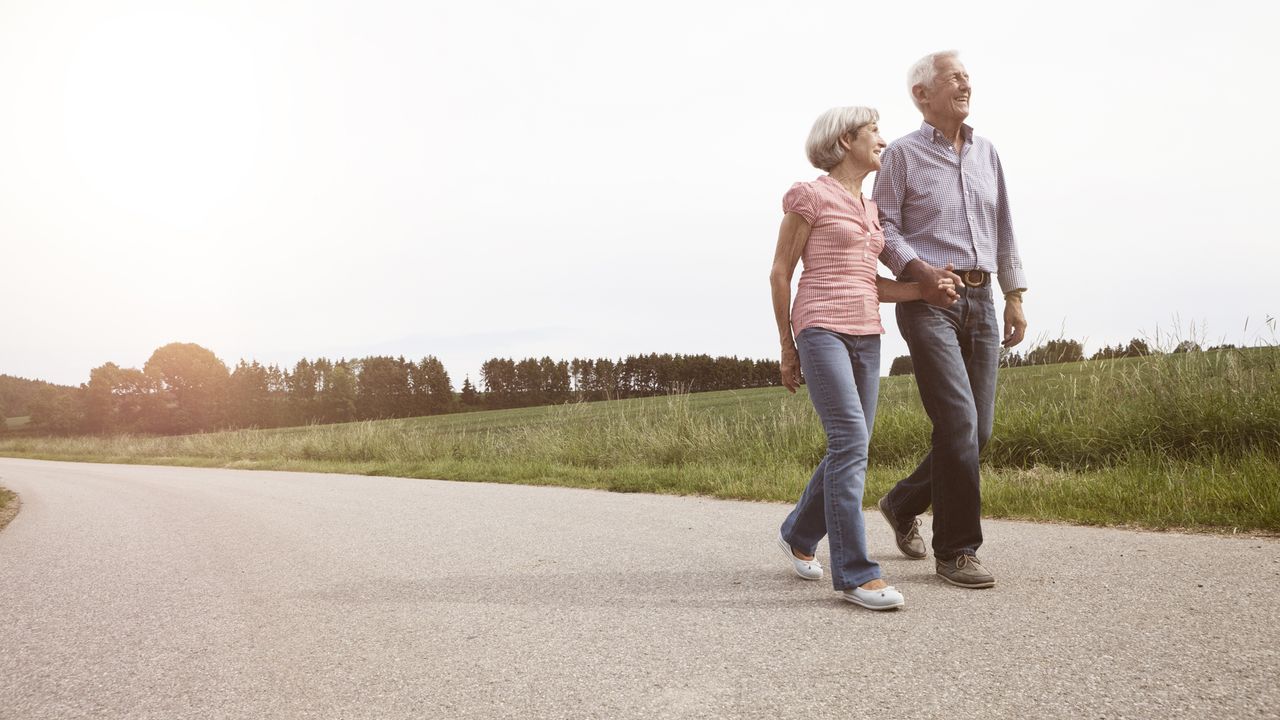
{"type": "Point", "coordinates": [843, 376]}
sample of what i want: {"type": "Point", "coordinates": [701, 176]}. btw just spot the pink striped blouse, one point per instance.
{"type": "Point", "coordinates": [838, 285]}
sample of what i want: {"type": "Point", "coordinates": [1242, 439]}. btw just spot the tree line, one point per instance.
{"type": "Point", "coordinates": [511, 383]}
{"type": "Point", "coordinates": [185, 388]}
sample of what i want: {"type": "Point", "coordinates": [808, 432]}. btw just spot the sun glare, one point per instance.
{"type": "Point", "coordinates": [162, 114]}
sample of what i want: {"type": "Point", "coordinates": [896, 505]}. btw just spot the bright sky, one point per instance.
{"type": "Point", "coordinates": [275, 180]}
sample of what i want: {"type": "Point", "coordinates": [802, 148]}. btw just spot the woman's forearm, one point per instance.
{"type": "Point", "coordinates": [891, 291]}
{"type": "Point", "coordinates": [781, 290]}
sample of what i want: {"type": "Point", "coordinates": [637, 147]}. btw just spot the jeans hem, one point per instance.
{"type": "Point", "coordinates": [859, 580]}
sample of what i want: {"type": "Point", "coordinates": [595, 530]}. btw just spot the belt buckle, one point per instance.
{"type": "Point", "coordinates": [969, 276]}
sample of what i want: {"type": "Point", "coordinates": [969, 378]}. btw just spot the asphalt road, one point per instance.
{"type": "Point", "coordinates": [160, 592]}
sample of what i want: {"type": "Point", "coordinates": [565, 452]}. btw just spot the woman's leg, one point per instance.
{"type": "Point", "coordinates": [807, 523]}
{"type": "Point", "coordinates": [829, 361]}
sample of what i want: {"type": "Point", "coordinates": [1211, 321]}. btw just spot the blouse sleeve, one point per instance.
{"type": "Point", "coordinates": [800, 200]}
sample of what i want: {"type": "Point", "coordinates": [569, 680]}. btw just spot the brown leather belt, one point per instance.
{"type": "Point", "coordinates": [974, 278]}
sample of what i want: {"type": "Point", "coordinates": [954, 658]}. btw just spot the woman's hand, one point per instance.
{"type": "Point", "coordinates": [947, 286]}
{"type": "Point", "coordinates": [790, 368]}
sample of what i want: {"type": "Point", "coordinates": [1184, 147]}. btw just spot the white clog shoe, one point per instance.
{"type": "Point", "coordinates": [886, 598]}
{"type": "Point", "coordinates": [807, 569]}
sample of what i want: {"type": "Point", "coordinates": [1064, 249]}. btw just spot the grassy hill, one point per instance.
{"type": "Point", "coordinates": [1188, 440]}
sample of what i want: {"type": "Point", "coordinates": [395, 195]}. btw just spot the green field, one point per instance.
{"type": "Point", "coordinates": [1189, 440]}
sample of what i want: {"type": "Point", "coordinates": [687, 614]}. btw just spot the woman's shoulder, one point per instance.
{"type": "Point", "coordinates": [813, 191]}
{"type": "Point", "coordinates": [812, 187]}
{"type": "Point", "coordinates": [805, 199]}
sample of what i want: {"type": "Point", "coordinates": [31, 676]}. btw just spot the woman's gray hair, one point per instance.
{"type": "Point", "coordinates": [823, 146]}
{"type": "Point", "coordinates": [925, 71]}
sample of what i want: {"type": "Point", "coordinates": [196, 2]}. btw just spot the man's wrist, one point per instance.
{"type": "Point", "coordinates": [1014, 296]}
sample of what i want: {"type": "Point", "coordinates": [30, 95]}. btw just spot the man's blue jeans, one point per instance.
{"type": "Point", "coordinates": [842, 373]}
{"type": "Point", "coordinates": [955, 352]}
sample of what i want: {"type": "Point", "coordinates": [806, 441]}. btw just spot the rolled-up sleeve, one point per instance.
{"type": "Point", "coordinates": [1008, 262]}
{"type": "Point", "coordinates": [889, 193]}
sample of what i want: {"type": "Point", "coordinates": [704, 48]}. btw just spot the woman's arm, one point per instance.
{"type": "Point", "coordinates": [897, 291]}
{"type": "Point", "coordinates": [892, 291]}
{"type": "Point", "coordinates": [792, 236]}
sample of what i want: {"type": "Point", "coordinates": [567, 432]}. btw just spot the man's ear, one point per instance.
{"type": "Point", "coordinates": [919, 93]}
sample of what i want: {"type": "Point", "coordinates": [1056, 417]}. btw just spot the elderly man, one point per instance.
{"type": "Point", "coordinates": [942, 201]}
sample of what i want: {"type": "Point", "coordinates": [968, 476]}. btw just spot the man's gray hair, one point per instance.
{"type": "Point", "coordinates": [823, 146]}
{"type": "Point", "coordinates": [925, 71]}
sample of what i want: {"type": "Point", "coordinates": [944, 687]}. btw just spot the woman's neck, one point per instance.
{"type": "Point", "coordinates": [850, 178]}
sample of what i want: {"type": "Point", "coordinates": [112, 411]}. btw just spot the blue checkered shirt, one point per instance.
{"type": "Point", "coordinates": [943, 208]}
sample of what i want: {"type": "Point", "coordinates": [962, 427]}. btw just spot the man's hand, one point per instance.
{"type": "Point", "coordinates": [933, 289]}
{"type": "Point", "coordinates": [790, 368]}
{"type": "Point", "coordinates": [1015, 325]}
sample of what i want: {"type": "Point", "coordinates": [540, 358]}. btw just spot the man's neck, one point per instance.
{"type": "Point", "coordinates": [950, 128]}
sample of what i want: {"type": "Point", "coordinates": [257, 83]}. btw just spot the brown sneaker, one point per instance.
{"type": "Point", "coordinates": [965, 571]}
{"type": "Point", "coordinates": [910, 542]}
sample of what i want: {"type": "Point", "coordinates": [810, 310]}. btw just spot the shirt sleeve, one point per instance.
{"type": "Point", "coordinates": [800, 200]}
{"type": "Point", "coordinates": [889, 193]}
{"type": "Point", "coordinates": [1008, 262]}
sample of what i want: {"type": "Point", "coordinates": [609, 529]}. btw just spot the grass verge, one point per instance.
{"type": "Point", "coordinates": [9, 505]}
{"type": "Point", "coordinates": [1188, 441]}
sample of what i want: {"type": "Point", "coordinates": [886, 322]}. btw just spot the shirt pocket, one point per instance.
{"type": "Point", "coordinates": [981, 190]}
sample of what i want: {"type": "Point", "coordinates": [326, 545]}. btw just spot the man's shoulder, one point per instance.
{"type": "Point", "coordinates": [911, 139]}
{"type": "Point", "coordinates": [900, 148]}
{"type": "Point", "coordinates": [983, 143]}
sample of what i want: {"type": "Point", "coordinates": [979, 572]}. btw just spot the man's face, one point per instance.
{"type": "Point", "coordinates": [948, 97]}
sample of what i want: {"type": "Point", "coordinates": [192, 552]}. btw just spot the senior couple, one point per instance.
{"type": "Point", "coordinates": [940, 221]}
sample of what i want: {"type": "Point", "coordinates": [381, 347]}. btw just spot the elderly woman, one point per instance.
{"type": "Point", "coordinates": [833, 333]}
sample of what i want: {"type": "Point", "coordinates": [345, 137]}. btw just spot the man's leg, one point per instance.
{"type": "Point", "coordinates": [980, 344]}
{"type": "Point", "coordinates": [948, 477]}
{"type": "Point", "coordinates": [912, 495]}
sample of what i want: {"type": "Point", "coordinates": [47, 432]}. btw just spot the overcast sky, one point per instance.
{"type": "Point", "coordinates": [277, 180]}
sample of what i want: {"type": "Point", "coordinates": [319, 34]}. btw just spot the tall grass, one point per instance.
{"type": "Point", "coordinates": [1180, 440]}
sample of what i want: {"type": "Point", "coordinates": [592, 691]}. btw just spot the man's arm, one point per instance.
{"type": "Point", "coordinates": [890, 192]}
{"type": "Point", "coordinates": [1008, 265]}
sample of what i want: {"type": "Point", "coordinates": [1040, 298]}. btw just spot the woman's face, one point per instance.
{"type": "Point", "coordinates": [864, 150]}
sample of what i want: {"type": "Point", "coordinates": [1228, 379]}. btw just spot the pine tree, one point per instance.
{"type": "Point", "coordinates": [469, 397]}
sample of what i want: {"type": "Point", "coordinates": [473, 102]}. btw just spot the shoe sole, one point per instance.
{"type": "Point", "coordinates": [786, 550]}
{"type": "Point", "coordinates": [856, 601]}
{"type": "Point", "coordinates": [884, 514]}
{"type": "Point", "coordinates": [971, 586]}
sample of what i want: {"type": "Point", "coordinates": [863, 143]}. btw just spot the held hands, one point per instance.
{"type": "Point", "coordinates": [938, 286]}
{"type": "Point", "coordinates": [790, 368]}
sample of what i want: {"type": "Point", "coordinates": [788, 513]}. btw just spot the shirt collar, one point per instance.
{"type": "Point", "coordinates": [930, 133]}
